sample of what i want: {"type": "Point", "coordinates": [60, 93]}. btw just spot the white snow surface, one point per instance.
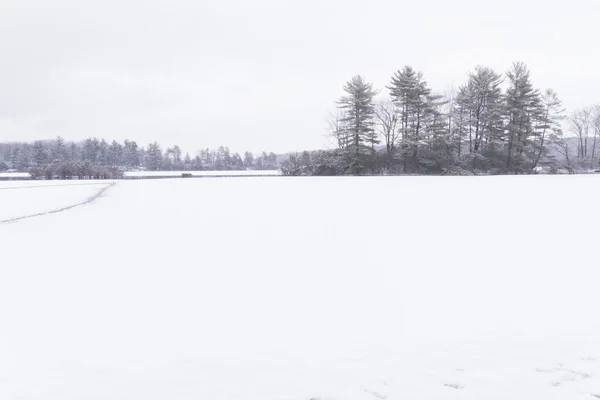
{"type": "Point", "coordinates": [149, 174]}
{"type": "Point", "coordinates": [20, 199]}
{"type": "Point", "coordinates": [304, 288]}
{"type": "Point", "coordinates": [15, 175]}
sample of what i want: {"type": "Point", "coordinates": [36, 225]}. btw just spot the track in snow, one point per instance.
{"type": "Point", "coordinates": [86, 201]}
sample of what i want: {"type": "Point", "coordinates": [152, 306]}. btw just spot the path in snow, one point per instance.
{"type": "Point", "coordinates": [11, 203]}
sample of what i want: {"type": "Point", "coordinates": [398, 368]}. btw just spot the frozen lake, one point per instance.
{"type": "Point", "coordinates": [302, 288]}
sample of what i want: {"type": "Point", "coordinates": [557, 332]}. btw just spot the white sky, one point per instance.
{"type": "Point", "coordinates": [262, 74]}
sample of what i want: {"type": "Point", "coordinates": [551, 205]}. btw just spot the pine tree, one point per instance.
{"type": "Point", "coordinates": [409, 92]}
{"type": "Point", "coordinates": [131, 154]}
{"type": "Point", "coordinates": [436, 139]}
{"type": "Point", "coordinates": [115, 154]}
{"type": "Point", "coordinates": [248, 160]}
{"type": "Point", "coordinates": [236, 162]}
{"type": "Point", "coordinates": [480, 110]}
{"type": "Point", "coordinates": [102, 157]}
{"type": "Point", "coordinates": [523, 108]}
{"type": "Point", "coordinates": [58, 148]}
{"type": "Point", "coordinates": [358, 119]}
{"type": "Point", "coordinates": [89, 150]}
{"type": "Point", "coordinates": [154, 157]}
{"type": "Point", "coordinates": [40, 155]}
{"type": "Point", "coordinates": [462, 112]}
{"type": "Point", "coordinates": [548, 131]}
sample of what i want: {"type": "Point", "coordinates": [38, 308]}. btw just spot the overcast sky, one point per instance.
{"type": "Point", "coordinates": [262, 74]}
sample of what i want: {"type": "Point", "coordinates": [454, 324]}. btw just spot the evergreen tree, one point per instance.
{"type": "Point", "coordinates": [236, 162]}
{"type": "Point", "coordinates": [523, 107]}
{"type": "Point", "coordinates": [115, 154]}
{"type": "Point", "coordinates": [154, 157]}
{"type": "Point", "coordinates": [74, 152]}
{"type": "Point", "coordinates": [409, 92]}
{"type": "Point", "coordinates": [102, 157]}
{"type": "Point", "coordinates": [359, 133]}
{"type": "Point", "coordinates": [40, 155]}
{"type": "Point", "coordinates": [131, 154]}
{"type": "Point", "coordinates": [58, 148]}
{"type": "Point", "coordinates": [248, 160]}
{"type": "Point", "coordinates": [187, 162]}
{"type": "Point", "coordinates": [480, 111]}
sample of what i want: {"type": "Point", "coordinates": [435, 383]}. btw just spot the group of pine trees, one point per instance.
{"type": "Point", "coordinates": [97, 158]}
{"type": "Point", "coordinates": [492, 124]}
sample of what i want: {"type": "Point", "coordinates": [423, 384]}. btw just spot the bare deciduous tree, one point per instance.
{"type": "Point", "coordinates": [579, 122]}
{"type": "Point", "coordinates": [563, 148]}
{"type": "Point", "coordinates": [547, 128]}
{"type": "Point", "coordinates": [336, 129]}
{"type": "Point", "coordinates": [387, 117]}
{"type": "Point", "coordinates": [596, 126]}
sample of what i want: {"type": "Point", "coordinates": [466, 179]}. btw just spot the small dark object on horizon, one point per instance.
{"type": "Point", "coordinates": [186, 175]}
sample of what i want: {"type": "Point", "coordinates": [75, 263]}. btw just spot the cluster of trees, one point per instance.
{"type": "Point", "coordinates": [492, 124]}
{"type": "Point", "coordinates": [584, 151]}
{"type": "Point", "coordinates": [221, 159]}
{"type": "Point", "coordinates": [95, 157]}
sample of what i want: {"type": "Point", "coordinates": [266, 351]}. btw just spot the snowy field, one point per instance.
{"type": "Point", "coordinates": [302, 288]}
{"type": "Point", "coordinates": [21, 199]}
{"type": "Point", "coordinates": [151, 174]}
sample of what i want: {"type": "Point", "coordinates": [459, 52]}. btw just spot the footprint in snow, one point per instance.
{"type": "Point", "coordinates": [454, 385]}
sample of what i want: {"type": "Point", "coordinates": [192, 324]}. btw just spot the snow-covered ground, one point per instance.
{"type": "Point", "coordinates": [150, 174]}
{"type": "Point", "coordinates": [15, 175]}
{"type": "Point", "coordinates": [305, 288]}
{"type": "Point", "coordinates": [19, 199]}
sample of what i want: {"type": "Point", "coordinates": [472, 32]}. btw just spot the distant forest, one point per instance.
{"type": "Point", "coordinates": [492, 124]}
{"type": "Point", "coordinates": [97, 158]}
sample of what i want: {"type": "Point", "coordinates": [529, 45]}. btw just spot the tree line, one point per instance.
{"type": "Point", "coordinates": [97, 158]}
{"type": "Point", "coordinates": [492, 124]}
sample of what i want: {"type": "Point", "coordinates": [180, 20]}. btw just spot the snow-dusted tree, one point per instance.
{"type": "Point", "coordinates": [73, 152]}
{"type": "Point", "coordinates": [523, 109]}
{"type": "Point", "coordinates": [40, 155]}
{"type": "Point", "coordinates": [479, 104]}
{"type": "Point", "coordinates": [187, 162]}
{"type": "Point", "coordinates": [409, 92]}
{"type": "Point", "coordinates": [248, 160]}
{"type": "Point", "coordinates": [154, 157]}
{"type": "Point", "coordinates": [463, 112]}
{"type": "Point", "coordinates": [335, 124]}
{"type": "Point", "coordinates": [176, 154]}
{"type": "Point", "coordinates": [580, 123]}
{"type": "Point", "coordinates": [236, 162]}
{"type": "Point", "coordinates": [358, 124]}
{"type": "Point", "coordinates": [131, 154]}
{"type": "Point", "coordinates": [547, 130]}
{"type": "Point", "coordinates": [90, 150]}
{"type": "Point", "coordinates": [115, 153]}
{"type": "Point", "coordinates": [596, 126]}
{"type": "Point", "coordinates": [103, 152]}
{"type": "Point", "coordinates": [172, 158]}
{"type": "Point", "coordinates": [59, 148]}
{"type": "Point", "coordinates": [386, 117]}
{"type": "Point", "coordinates": [488, 107]}
{"type": "Point", "coordinates": [437, 142]}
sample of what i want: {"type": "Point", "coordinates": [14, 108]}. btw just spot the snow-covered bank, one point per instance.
{"type": "Point", "coordinates": [300, 288]}
{"type": "Point", "coordinates": [14, 176]}
{"type": "Point", "coordinates": [167, 174]}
